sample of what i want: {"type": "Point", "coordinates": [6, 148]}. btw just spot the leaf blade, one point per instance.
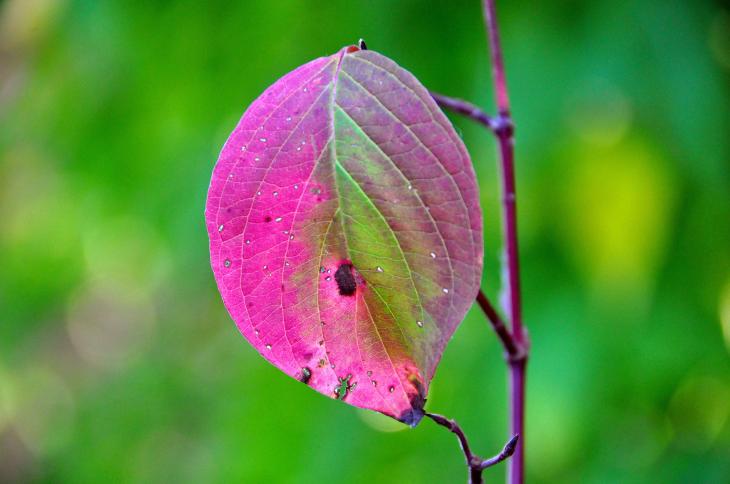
{"type": "Point", "coordinates": [373, 186]}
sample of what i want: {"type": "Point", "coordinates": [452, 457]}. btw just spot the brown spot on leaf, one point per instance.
{"type": "Point", "coordinates": [345, 280]}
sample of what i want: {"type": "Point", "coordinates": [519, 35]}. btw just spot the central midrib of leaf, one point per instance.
{"type": "Point", "coordinates": [363, 226]}
{"type": "Point", "coordinates": [371, 243]}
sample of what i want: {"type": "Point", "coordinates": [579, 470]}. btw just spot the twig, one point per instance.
{"type": "Point", "coordinates": [512, 349]}
{"type": "Point", "coordinates": [475, 463]}
{"type": "Point", "coordinates": [466, 108]}
{"type": "Point", "coordinates": [507, 451]}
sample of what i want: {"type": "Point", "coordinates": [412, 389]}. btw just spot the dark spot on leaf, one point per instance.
{"type": "Point", "coordinates": [306, 375]}
{"type": "Point", "coordinates": [411, 417]}
{"type": "Point", "coordinates": [345, 280]}
{"type": "Point", "coordinates": [418, 401]}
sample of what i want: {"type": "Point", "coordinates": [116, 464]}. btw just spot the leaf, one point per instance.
{"type": "Point", "coordinates": [345, 230]}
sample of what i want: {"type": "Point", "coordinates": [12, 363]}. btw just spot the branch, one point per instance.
{"type": "Point", "coordinates": [467, 109]}
{"type": "Point", "coordinates": [514, 350]}
{"type": "Point", "coordinates": [475, 463]}
{"type": "Point", "coordinates": [515, 342]}
{"type": "Point", "coordinates": [505, 134]}
{"type": "Point", "coordinates": [514, 339]}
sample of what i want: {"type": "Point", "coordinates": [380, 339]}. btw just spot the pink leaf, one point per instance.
{"type": "Point", "coordinates": [345, 230]}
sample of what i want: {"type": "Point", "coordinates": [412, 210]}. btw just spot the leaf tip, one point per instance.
{"type": "Point", "coordinates": [413, 415]}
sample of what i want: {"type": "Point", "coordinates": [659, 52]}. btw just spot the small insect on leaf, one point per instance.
{"type": "Point", "coordinates": [325, 212]}
{"type": "Point", "coordinates": [306, 375]}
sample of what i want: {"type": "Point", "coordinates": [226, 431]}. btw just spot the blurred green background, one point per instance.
{"type": "Point", "coordinates": [118, 360]}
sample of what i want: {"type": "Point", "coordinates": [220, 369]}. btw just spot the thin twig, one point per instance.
{"type": "Point", "coordinates": [475, 463]}
{"type": "Point", "coordinates": [507, 451]}
{"type": "Point", "coordinates": [466, 108]}
{"type": "Point", "coordinates": [513, 350]}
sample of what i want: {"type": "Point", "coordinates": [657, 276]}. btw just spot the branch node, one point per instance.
{"type": "Point", "coordinates": [523, 350]}
{"type": "Point", "coordinates": [518, 357]}
{"type": "Point", "coordinates": [503, 125]}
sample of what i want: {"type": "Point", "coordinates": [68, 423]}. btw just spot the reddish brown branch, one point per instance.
{"type": "Point", "coordinates": [505, 133]}
{"type": "Point", "coordinates": [514, 339]}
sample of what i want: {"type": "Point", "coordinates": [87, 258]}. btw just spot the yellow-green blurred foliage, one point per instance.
{"type": "Point", "coordinates": [118, 361]}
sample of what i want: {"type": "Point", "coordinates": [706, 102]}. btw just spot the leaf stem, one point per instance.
{"type": "Point", "coordinates": [475, 463]}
